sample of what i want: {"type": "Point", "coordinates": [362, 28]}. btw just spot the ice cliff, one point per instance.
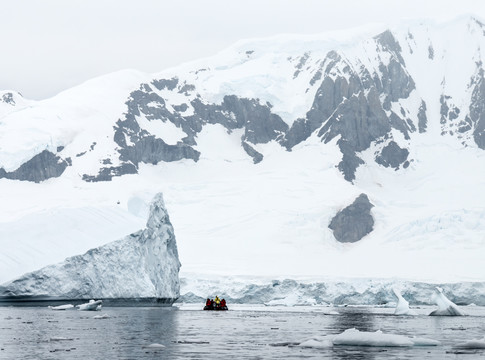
{"type": "Point", "coordinates": [144, 264]}
{"type": "Point", "coordinates": [334, 291]}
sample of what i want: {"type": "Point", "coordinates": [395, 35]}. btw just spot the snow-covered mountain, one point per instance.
{"type": "Point", "coordinates": [144, 265]}
{"type": "Point", "coordinates": [290, 156]}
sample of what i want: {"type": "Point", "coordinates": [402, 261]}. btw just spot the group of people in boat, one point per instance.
{"type": "Point", "coordinates": [215, 304]}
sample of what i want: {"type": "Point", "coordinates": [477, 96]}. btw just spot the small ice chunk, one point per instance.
{"type": "Point", "coordinates": [472, 344]}
{"type": "Point", "coordinates": [445, 306]}
{"type": "Point", "coordinates": [60, 338]}
{"type": "Point", "coordinates": [154, 346]}
{"type": "Point", "coordinates": [318, 342]}
{"type": "Point", "coordinates": [419, 341]}
{"type": "Point", "coordinates": [92, 305]}
{"type": "Point", "coordinates": [61, 307]}
{"type": "Point", "coordinates": [355, 337]}
{"type": "Point", "coordinates": [104, 316]}
{"type": "Point", "coordinates": [402, 307]}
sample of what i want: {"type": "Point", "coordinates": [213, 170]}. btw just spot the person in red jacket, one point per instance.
{"type": "Point", "coordinates": [223, 303]}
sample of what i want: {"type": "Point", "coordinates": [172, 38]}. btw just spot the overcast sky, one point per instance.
{"type": "Point", "coordinates": [50, 45]}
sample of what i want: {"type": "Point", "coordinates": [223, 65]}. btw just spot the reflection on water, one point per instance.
{"type": "Point", "coordinates": [243, 332]}
{"type": "Point", "coordinates": [353, 318]}
{"type": "Point", "coordinates": [348, 319]}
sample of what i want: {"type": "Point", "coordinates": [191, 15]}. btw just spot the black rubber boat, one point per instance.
{"type": "Point", "coordinates": [215, 308]}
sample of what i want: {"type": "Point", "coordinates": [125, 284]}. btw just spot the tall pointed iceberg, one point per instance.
{"type": "Point", "coordinates": [143, 265]}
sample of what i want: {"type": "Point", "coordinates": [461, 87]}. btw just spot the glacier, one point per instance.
{"type": "Point", "coordinates": [143, 265]}
{"type": "Point", "coordinates": [328, 292]}
{"type": "Point", "coordinates": [256, 150]}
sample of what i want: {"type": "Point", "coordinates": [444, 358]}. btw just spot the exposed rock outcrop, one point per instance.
{"type": "Point", "coordinates": [354, 222]}
{"type": "Point", "coordinates": [392, 155]}
{"type": "Point", "coordinates": [42, 166]}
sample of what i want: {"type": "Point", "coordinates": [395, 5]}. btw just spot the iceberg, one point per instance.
{"type": "Point", "coordinates": [92, 305]}
{"type": "Point", "coordinates": [445, 306]}
{"type": "Point", "coordinates": [61, 307]}
{"type": "Point", "coordinates": [402, 307]}
{"type": "Point", "coordinates": [143, 265]}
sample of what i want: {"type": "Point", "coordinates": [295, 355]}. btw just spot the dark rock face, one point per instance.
{"type": "Point", "coordinates": [450, 113]}
{"type": "Point", "coordinates": [257, 157]}
{"type": "Point", "coordinates": [422, 119]}
{"type": "Point", "coordinates": [354, 222]}
{"type": "Point", "coordinates": [7, 98]}
{"type": "Point", "coordinates": [151, 150]}
{"type": "Point", "coordinates": [107, 173]}
{"type": "Point", "coordinates": [359, 121]}
{"type": "Point", "coordinates": [328, 97]}
{"type": "Point", "coordinates": [393, 156]}
{"type": "Point", "coordinates": [456, 121]}
{"type": "Point", "coordinates": [41, 167]}
{"type": "Point", "coordinates": [169, 84]}
{"type": "Point", "coordinates": [355, 104]}
{"type": "Point", "coordinates": [136, 145]}
{"type": "Point", "coordinates": [477, 110]}
{"type": "Point", "coordinates": [261, 126]}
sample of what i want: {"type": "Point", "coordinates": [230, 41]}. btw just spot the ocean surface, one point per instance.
{"type": "Point", "coordinates": [243, 332]}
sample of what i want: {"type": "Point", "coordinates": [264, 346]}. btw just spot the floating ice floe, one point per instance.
{"type": "Point", "coordinates": [92, 305]}
{"type": "Point", "coordinates": [318, 342]}
{"type": "Point", "coordinates": [402, 307]}
{"type": "Point", "coordinates": [153, 346]}
{"type": "Point", "coordinates": [61, 307]}
{"type": "Point", "coordinates": [472, 344]}
{"type": "Point", "coordinates": [354, 337]}
{"type": "Point", "coordinates": [104, 316]}
{"type": "Point", "coordinates": [60, 338]}
{"type": "Point", "coordinates": [445, 306]}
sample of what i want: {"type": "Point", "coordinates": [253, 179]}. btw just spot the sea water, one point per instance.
{"type": "Point", "coordinates": [243, 332]}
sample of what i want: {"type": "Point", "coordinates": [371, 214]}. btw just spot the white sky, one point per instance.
{"type": "Point", "coordinates": [50, 45]}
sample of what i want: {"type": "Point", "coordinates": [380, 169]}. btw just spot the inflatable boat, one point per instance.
{"type": "Point", "coordinates": [215, 308]}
